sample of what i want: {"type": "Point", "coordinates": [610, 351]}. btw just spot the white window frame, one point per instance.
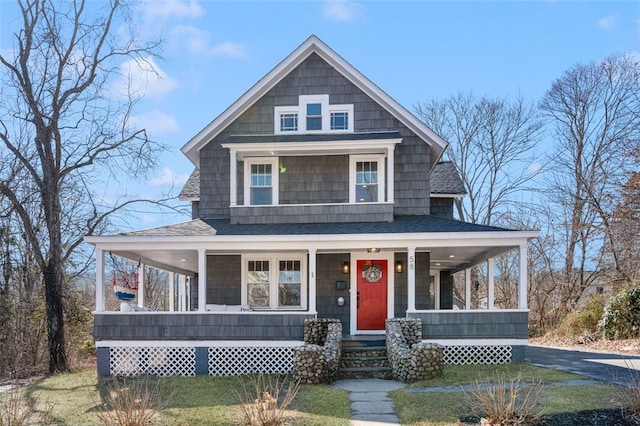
{"type": "Point", "coordinates": [279, 111]}
{"type": "Point", "coordinates": [380, 159]}
{"type": "Point", "coordinates": [275, 179]}
{"type": "Point", "coordinates": [274, 265]}
{"type": "Point", "coordinates": [301, 110]}
{"type": "Point", "coordinates": [436, 293]}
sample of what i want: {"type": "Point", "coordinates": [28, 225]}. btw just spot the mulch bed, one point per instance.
{"type": "Point", "coordinates": [610, 417]}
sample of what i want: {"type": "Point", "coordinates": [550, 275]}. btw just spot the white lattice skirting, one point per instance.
{"type": "Point", "coordinates": [133, 361]}
{"type": "Point", "coordinates": [234, 360]}
{"type": "Point", "coordinates": [228, 361]}
{"type": "Point", "coordinates": [481, 354]}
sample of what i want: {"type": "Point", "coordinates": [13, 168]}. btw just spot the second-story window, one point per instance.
{"type": "Point", "coordinates": [339, 121]}
{"type": "Point", "coordinates": [289, 122]}
{"type": "Point", "coordinates": [261, 181]}
{"type": "Point", "coordinates": [314, 116]}
{"type": "Point", "coordinates": [367, 179]}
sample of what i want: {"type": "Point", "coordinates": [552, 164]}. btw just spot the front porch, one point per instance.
{"type": "Point", "coordinates": [249, 295]}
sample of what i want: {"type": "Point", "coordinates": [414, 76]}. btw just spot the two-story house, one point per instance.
{"type": "Point", "coordinates": [315, 194]}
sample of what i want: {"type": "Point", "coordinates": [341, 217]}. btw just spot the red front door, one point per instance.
{"type": "Point", "coordinates": [372, 294]}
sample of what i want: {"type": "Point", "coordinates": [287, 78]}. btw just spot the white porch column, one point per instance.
{"type": "Point", "coordinates": [99, 280]}
{"type": "Point", "coordinates": [182, 293]}
{"type": "Point", "coordinates": [491, 266]}
{"type": "Point", "coordinates": [312, 281]}
{"type": "Point", "coordinates": [141, 284]}
{"type": "Point", "coordinates": [233, 178]}
{"type": "Point", "coordinates": [522, 282]}
{"type": "Point", "coordinates": [390, 173]}
{"type": "Point", "coordinates": [467, 289]}
{"type": "Point", "coordinates": [202, 279]}
{"type": "Point", "coordinates": [172, 289]}
{"type": "Point", "coordinates": [411, 279]}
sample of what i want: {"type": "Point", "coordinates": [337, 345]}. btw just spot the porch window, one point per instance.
{"type": "Point", "coordinates": [275, 282]}
{"type": "Point", "coordinates": [289, 283]}
{"type": "Point", "coordinates": [366, 179]}
{"type": "Point", "coordinates": [258, 283]}
{"type": "Point", "coordinates": [261, 181]}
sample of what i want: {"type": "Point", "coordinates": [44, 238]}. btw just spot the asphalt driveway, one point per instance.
{"type": "Point", "coordinates": [598, 365]}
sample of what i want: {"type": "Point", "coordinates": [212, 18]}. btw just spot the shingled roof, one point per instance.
{"type": "Point", "coordinates": [400, 225]}
{"type": "Point", "coordinates": [444, 180]}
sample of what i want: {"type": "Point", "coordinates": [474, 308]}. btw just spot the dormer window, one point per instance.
{"type": "Point", "coordinates": [313, 114]}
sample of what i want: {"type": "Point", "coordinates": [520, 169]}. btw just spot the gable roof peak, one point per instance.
{"type": "Point", "coordinates": [312, 44]}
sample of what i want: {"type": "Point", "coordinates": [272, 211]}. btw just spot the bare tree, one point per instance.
{"type": "Point", "coordinates": [64, 132]}
{"type": "Point", "coordinates": [492, 144]}
{"type": "Point", "coordinates": [595, 114]}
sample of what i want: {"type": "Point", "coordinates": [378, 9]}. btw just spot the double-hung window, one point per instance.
{"type": "Point", "coordinates": [261, 181]}
{"type": "Point", "coordinates": [313, 114]}
{"type": "Point", "coordinates": [275, 282]}
{"type": "Point", "coordinates": [366, 179]}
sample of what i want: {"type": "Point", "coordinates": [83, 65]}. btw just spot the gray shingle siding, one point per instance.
{"type": "Point", "coordinates": [329, 268]}
{"type": "Point", "coordinates": [312, 77]}
{"type": "Point", "coordinates": [442, 207]}
{"type": "Point", "coordinates": [224, 279]}
{"type": "Point", "coordinates": [466, 324]}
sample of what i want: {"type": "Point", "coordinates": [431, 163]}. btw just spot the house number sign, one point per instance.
{"type": "Point", "coordinates": [411, 262]}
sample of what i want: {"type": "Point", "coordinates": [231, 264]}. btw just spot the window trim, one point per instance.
{"type": "Point", "coordinates": [301, 111]}
{"type": "Point", "coordinates": [275, 179]}
{"type": "Point", "coordinates": [274, 266]}
{"type": "Point", "coordinates": [380, 159]}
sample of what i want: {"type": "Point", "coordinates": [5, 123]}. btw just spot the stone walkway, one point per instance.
{"type": "Point", "coordinates": [370, 401]}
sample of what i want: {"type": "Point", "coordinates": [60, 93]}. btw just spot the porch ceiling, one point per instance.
{"type": "Point", "coordinates": [185, 261]}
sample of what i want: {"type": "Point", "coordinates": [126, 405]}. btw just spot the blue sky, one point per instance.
{"type": "Point", "coordinates": [413, 50]}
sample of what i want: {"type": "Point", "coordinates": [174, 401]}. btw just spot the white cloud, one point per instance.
{"type": "Point", "coordinates": [198, 42]}
{"type": "Point", "coordinates": [144, 78]}
{"type": "Point", "coordinates": [168, 176]}
{"type": "Point", "coordinates": [608, 23]}
{"type": "Point", "coordinates": [342, 10]}
{"type": "Point", "coordinates": [155, 122]}
{"type": "Point", "coordinates": [165, 9]}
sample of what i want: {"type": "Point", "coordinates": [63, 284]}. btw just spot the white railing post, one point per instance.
{"type": "Point", "coordinates": [99, 280]}
{"type": "Point", "coordinates": [182, 293]}
{"type": "Point", "coordinates": [312, 281]}
{"type": "Point", "coordinates": [202, 279]}
{"type": "Point", "coordinates": [467, 289]}
{"type": "Point", "coordinates": [172, 290]}
{"type": "Point", "coordinates": [141, 284]}
{"type": "Point", "coordinates": [491, 264]}
{"type": "Point", "coordinates": [522, 282]}
{"type": "Point", "coordinates": [411, 278]}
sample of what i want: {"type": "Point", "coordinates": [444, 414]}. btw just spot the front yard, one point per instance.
{"type": "Point", "coordinates": [78, 398]}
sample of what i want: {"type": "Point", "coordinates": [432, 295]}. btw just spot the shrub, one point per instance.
{"type": "Point", "coordinates": [621, 318]}
{"type": "Point", "coordinates": [131, 402]}
{"type": "Point", "coordinates": [264, 401]}
{"type": "Point", "coordinates": [627, 398]}
{"type": "Point", "coordinates": [17, 410]}
{"type": "Point", "coordinates": [585, 320]}
{"type": "Point", "coordinates": [505, 402]}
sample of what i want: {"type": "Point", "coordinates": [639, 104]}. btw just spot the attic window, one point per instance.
{"type": "Point", "coordinates": [313, 114]}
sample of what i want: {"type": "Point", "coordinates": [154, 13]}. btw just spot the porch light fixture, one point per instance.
{"type": "Point", "coordinates": [345, 268]}
{"type": "Point", "coordinates": [373, 250]}
{"type": "Point", "coordinates": [399, 266]}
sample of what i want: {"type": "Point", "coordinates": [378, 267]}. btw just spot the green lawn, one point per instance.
{"type": "Point", "coordinates": [445, 408]}
{"type": "Point", "coordinates": [201, 400]}
{"type": "Point", "coordinates": [205, 400]}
